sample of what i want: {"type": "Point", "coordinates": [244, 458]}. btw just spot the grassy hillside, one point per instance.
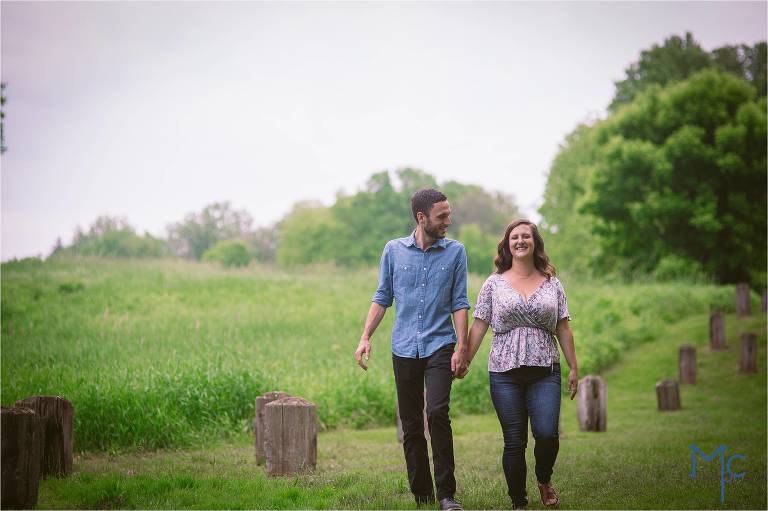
{"type": "Point", "coordinates": [163, 353]}
{"type": "Point", "coordinates": [641, 462]}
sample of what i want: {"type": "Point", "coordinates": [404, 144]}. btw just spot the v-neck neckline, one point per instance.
{"type": "Point", "coordinates": [521, 295]}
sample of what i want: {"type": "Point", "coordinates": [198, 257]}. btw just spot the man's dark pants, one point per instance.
{"type": "Point", "coordinates": [411, 375]}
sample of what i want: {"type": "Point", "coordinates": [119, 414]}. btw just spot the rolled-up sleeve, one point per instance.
{"type": "Point", "coordinates": [459, 298]}
{"type": "Point", "coordinates": [384, 295]}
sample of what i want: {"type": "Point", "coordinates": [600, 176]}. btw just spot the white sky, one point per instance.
{"type": "Point", "coordinates": [154, 110]}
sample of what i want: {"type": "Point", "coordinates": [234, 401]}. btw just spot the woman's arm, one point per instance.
{"type": "Point", "coordinates": [476, 334]}
{"type": "Point", "coordinates": [565, 337]}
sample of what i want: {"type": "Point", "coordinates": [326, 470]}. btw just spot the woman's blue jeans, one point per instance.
{"type": "Point", "coordinates": [518, 394]}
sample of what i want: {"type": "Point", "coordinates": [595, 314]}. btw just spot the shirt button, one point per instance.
{"type": "Point", "coordinates": [423, 285]}
{"type": "Point", "coordinates": [425, 267]}
{"type": "Point", "coordinates": [421, 300]}
{"type": "Point", "coordinates": [419, 317]}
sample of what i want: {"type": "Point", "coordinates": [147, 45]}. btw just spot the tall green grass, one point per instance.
{"type": "Point", "coordinates": [157, 354]}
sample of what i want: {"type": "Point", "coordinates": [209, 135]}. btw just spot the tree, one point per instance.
{"type": "Point", "coordinates": [112, 237]}
{"type": "Point", "coordinates": [679, 58]}
{"type": "Point", "coordinates": [681, 172]}
{"type": "Point", "coordinates": [2, 118]}
{"type": "Point", "coordinates": [229, 253]}
{"type": "Point", "coordinates": [307, 235]}
{"type": "Point", "coordinates": [198, 232]}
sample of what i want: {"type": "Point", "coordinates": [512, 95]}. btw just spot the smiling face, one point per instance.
{"type": "Point", "coordinates": [436, 224]}
{"type": "Point", "coordinates": [521, 243]}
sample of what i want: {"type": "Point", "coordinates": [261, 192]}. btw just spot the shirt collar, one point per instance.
{"type": "Point", "coordinates": [411, 241]}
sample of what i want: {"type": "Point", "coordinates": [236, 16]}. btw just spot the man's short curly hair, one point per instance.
{"type": "Point", "coordinates": [424, 199]}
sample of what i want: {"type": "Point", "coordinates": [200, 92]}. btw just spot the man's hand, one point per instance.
{"type": "Point", "coordinates": [573, 382]}
{"type": "Point", "coordinates": [362, 353]}
{"type": "Point", "coordinates": [459, 365]}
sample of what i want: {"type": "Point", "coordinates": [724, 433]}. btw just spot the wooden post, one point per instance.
{"type": "Point", "coordinates": [743, 304]}
{"type": "Point", "coordinates": [400, 422]}
{"type": "Point", "coordinates": [748, 353]}
{"type": "Point", "coordinates": [22, 433]}
{"type": "Point", "coordinates": [687, 364]}
{"type": "Point", "coordinates": [59, 418]}
{"type": "Point", "coordinates": [591, 404]}
{"type": "Point", "coordinates": [717, 331]}
{"type": "Point", "coordinates": [259, 426]}
{"type": "Point", "coordinates": [291, 440]}
{"type": "Point", "coordinates": [668, 395]}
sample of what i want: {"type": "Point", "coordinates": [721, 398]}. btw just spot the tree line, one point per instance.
{"type": "Point", "coordinates": [350, 233]}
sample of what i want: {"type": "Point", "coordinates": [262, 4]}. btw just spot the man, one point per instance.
{"type": "Point", "coordinates": [426, 274]}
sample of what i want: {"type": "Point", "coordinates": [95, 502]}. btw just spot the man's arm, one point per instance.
{"type": "Point", "coordinates": [363, 351]}
{"type": "Point", "coordinates": [459, 308]}
{"type": "Point", "coordinates": [459, 358]}
{"type": "Point", "coordinates": [382, 299]}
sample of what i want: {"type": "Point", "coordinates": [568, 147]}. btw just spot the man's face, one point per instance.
{"type": "Point", "coordinates": [436, 224]}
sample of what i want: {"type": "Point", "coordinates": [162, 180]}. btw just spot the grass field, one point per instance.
{"type": "Point", "coordinates": [164, 354]}
{"type": "Point", "coordinates": [641, 462]}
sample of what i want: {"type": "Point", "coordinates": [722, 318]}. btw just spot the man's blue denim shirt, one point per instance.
{"type": "Point", "coordinates": [427, 286]}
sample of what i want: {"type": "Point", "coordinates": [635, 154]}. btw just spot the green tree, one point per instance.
{"type": "Point", "coordinates": [568, 232]}
{"type": "Point", "coordinates": [198, 232]}
{"type": "Point", "coordinates": [306, 235]}
{"type": "Point", "coordinates": [229, 253]}
{"type": "Point", "coordinates": [481, 248]}
{"type": "Point", "coordinates": [112, 237]}
{"type": "Point", "coordinates": [679, 58]}
{"type": "Point", "coordinates": [682, 172]}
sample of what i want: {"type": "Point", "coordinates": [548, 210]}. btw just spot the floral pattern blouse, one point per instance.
{"type": "Point", "coordinates": [523, 330]}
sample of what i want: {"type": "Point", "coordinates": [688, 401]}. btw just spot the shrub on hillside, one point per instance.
{"type": "Point", "coordinates": [230, 253]}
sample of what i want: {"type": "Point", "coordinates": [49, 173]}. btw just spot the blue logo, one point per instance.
{"type": "Point", "coordinates": [724, 466]}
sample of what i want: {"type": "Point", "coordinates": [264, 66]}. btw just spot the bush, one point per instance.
{"type": "Point", "coordinates": [674, 267]}
{"type": "Point", "coordinates": [229, 253]}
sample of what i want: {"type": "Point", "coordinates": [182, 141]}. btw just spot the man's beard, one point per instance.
{"type": "Point", "coordinates": [433, 231]}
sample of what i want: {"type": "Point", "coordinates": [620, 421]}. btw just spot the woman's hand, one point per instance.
{"type": "Point", "coordinates": [573, 382]}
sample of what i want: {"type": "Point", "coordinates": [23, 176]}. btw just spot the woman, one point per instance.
{"type": "Point", "coordinates": [525, 306]}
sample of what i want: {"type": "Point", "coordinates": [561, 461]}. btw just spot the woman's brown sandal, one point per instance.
{"type": "Point", "coordinates": [548, 496]}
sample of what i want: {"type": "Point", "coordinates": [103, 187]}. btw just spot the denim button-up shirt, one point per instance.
{"type": "Point", "coordinates": [428, 285]}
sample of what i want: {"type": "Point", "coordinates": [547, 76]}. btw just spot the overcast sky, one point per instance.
{"type": "Point", "coordinates": [154, 110]}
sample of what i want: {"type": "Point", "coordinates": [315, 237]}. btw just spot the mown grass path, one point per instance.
{"type": "Point", "coordinates": [641, 462]}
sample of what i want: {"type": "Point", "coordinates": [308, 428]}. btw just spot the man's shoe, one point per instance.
{"type": "Point", "coordinates": [520, 503]}
{"type": "Point", "coordinates": [548, 496]}
{"type": "Point", "coordinates": [450, 504]}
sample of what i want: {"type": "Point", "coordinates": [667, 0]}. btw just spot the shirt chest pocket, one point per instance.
{"type": "Point", "coordinates": [404, 281]}
{"type": "Point", "coordinates": [442, 278]}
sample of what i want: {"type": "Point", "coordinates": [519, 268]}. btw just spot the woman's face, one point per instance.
{"type": "Point", "coordinates": [521, 242]}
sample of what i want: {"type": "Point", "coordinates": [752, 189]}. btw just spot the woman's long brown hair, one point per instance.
{"type": "Point", "coordinates": [503, 259]}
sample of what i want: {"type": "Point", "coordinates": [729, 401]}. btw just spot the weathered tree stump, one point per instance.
{"type": "Point", "coordinates": [668, 395]}
{"type": "Point", "coordinates": [291, 436]}
{"type": "Point", "coordinates": [22, 432]}
{"type": "Point", "coordinates": [687, 364]}
{"type": "Point", "coordinates": [717, 331]}
{"type": "Point", "coordinates": [743, 304]}
{"type": "Point", "coordinates": [259, 426]}
{"type": "Point", "coordinates": [400, 422]}
{"type": "Point", "coordinates": [59, 418]}
{"type": "Point", "coordinates": [591, 404]}
{"type": "Point", "coordinates": [748, 353]}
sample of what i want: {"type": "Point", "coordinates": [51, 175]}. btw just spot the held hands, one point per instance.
{"type": "Point", "coordinates": [362, 353]}
{"type": "Point", "coordinates": [459, 365]}
{"type": "Point", "coordinates": [573, 382]}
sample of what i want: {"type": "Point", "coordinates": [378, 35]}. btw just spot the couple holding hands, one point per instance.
{"type": "Point", "coordinates": [525, 306]}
